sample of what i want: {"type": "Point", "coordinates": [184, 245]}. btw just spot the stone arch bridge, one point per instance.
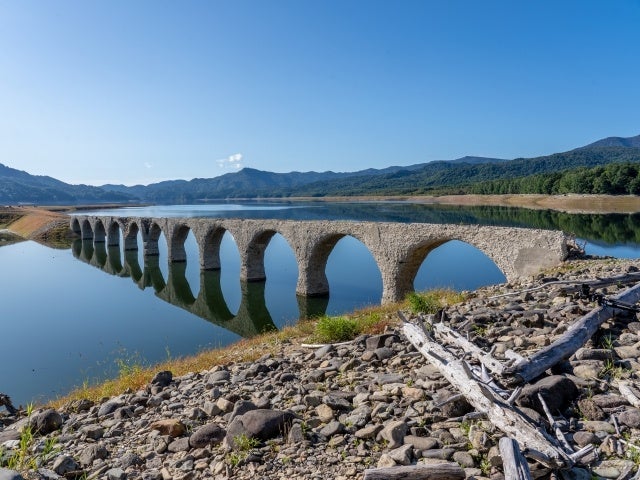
{"type": "Point", "coordinates": [397, 248]}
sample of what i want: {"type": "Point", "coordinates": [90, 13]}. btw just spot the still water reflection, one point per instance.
{"type": "Point", "coordinates": [64, 323]}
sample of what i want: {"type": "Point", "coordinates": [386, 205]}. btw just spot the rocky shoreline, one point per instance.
{"type": "Point", "coordinates": [336, 410]}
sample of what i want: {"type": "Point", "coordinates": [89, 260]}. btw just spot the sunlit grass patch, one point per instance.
{"type": "Point", "coordinates": [433, 300]}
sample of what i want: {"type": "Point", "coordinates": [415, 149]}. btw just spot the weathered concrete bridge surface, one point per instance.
{"type": "Point", "coordinates": [398, 248]}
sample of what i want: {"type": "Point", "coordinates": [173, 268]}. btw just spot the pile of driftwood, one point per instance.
{"type": "Point", "coordinates": [470, 373]}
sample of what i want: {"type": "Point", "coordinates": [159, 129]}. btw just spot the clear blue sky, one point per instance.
{"type": "Point", "coordinates": [140, 91]}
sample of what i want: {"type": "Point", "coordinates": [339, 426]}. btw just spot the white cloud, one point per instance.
{"type": "Point", "coordinates": [231, 162]}
{"type": "Point", "coordinates": [147, 165]}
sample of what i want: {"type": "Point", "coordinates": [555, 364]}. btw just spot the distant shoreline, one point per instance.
{"type": "Point", "coordinates": [570, 203]}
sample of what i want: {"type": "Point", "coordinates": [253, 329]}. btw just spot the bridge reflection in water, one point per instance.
{"type": "Point", "coordinates": [252, 318]}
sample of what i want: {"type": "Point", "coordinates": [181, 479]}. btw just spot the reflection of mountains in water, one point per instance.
{"type": "Point", "coordinates": [252, 318]}
{"type": "Point", "coordinates": [612, 229]}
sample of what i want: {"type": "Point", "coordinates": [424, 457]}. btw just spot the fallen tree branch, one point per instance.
{"type": "Point", "coordinates": [5, 402]}
{"type": "Point", "coordinates": [554, 425]}
{"type": "Point", "coordinates": [629, 393]}
{"type": "Point", "coordinates": [568, 343]}
{"type": "Point", "coordinates": [437, 471]}
{"type": "Point", "coordinates": [501, 414]}
{"type": "Point", "coordinates": [446, 334]}
{"type": "Point", "coordinates": [514, 465]}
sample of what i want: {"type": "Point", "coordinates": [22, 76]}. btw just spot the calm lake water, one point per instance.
{"type": "Point", "coordinates": [75, 316]}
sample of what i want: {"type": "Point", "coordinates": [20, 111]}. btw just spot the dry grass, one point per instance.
{"type": "Point", "coordinates": [372, 320]}
{"type": "Point", "coordinates": [243, 351]}
{"type": "Point", "coordinates": [26, 221]}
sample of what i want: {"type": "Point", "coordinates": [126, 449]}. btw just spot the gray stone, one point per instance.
{"type": "Point", "coordinates": [599, 426]}
{"type": "Point", "coordinates": [402, 455]}
{"type": "Point", "coordinates": [109, 407]}
{"type": "Point", "coordinates": [65, 464]}
{"type": "Point", "coordinates": [383, 353]}
{"type": "Point", "coordinates": [46, 474]}
{"type": "Point", "coordinates": [630, 417]}
{"type": "Point", "coordinates": [594, 354]}
{"type": "Point", "coordinates": [116, 474]}
{"type": "Point", "coordinates": [220, 377]}
{"type": "Point", "coordinates": [369, 431]}
{"type": "Point", "coordinates": [582, 438]}
{"type": "Point", "coordinates": [438, 453]}
{"type": "Point", "coordinates": [46, 421]}
{"type": "Point", "coordinates": [209, 434]}
{"type": "Point", "coordinates": [91, 453]}
{"type": "Point", "coordinates": [336, 402]}
{"type": "Point", "coordinates": [162, 379]}
{"type": "Point", "coordinates": [179, 445]}
{"type": "Point", "coordinates": [464, 459]}
{"type": "Point", "coordinates": [123, 413]}
{"type": "Point", "coordinates": [9, 434]}
{"type": "Point", "coordinates": [129, 459]}
{"type": "Point", "coordinates": [386, 461]}
{"type": "Point", "coordinates": [94, 432]}
{"type": "Point", "coordinates": [456, 408]}
{"type": "Point", "coordinates": [241, 407]}
{"type": "Point", "coordinates": [394, 433]}
{"type": "Point", "coordinates": [331, 429]}
{"type": "Point", "coordinates": [323, 351]}
{"type": "Point", "coordinates": [296, 435]}
{"type": "Point", "coordinates": [421, 443]}
{"type": "Point", "coordinates": [386, 378]}
{"type": "Point", "coordinates": [6, 474]}
{"type": "Point", "coordinates": [358, 417]}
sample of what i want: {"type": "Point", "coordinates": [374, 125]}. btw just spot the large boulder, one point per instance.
{"type": "Point", "coordinates": [261, 423]}
{"type": "Point", "coordinates": [209, 434]}
{"type": "Point", "coordinates": [557, 391]}
{"type": "Point", "coordinates": [46, 421]}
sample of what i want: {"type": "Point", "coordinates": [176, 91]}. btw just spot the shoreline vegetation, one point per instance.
{"type": "Point", "coordinates": [49, 225]}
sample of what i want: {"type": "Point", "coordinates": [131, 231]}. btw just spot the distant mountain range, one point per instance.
{"type": "Point", "coordinates": [443, 175]}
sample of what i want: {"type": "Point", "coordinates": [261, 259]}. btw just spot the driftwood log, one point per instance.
{"type": "Point", "coordinates": [630, 393]}
{"type": "Point", "coordinates": [5, 402]}
{"type": "Point", "coordinates": [505, 417]}
{"type": "Point", "coordinates": [568, 343]}
{"type": "Point", "coordinates": [514, 465]}
{"type": "Point", "coordinates": [452, 337]}
{"type": "Point", "coordinates": [438, 471]}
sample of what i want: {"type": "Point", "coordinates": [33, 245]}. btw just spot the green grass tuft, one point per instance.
{"type": "Point", "coordinates": [336, 329]}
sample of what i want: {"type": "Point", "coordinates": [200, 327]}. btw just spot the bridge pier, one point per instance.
{"type": "Point", "coordinates": [209, 247]}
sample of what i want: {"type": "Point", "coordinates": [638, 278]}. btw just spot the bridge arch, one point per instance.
{"type": "Point", "coordinates": [253, 261]}
{"type": "Point", "coordinates": [447, 266]}
{"type": "Point", "coordinates": [175, 242]}
{"type": "Point", "coordinates": [210, 247]}
{"type": "Point", "coordinates": [130, 235]}
{"type": "Point", "coordinates": [113, 234]}
{"type": "Point", "coordinates": [99, 232]}
{"type": "Point", "coordinates": [75, 226]}
{"type": "Point", "coordinates": [312, 275]}
{"type": "Point", "coordinates": [87, 230]}
{"type": "Point", "coordinates": [151, 242]}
